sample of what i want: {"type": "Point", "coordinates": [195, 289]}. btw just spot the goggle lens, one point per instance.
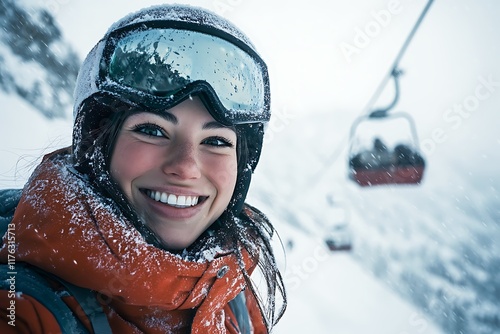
{"type": "Point", "coordinates": [161, 62]}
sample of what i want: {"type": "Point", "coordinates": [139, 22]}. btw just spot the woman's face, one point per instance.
{"type": "Point", "coordinates": [177, 169]}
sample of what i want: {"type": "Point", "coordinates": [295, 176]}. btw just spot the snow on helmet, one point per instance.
{"type": "Point", "coordinates": [159, 56]}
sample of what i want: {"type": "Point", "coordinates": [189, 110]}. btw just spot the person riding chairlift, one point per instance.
{"type": "Point", "coordinates": [380, 165]}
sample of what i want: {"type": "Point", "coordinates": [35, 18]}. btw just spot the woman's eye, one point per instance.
{"type": "Point", "coordinates": [151, 130]}
{"type": "Point", "coordinates": [218, 142]}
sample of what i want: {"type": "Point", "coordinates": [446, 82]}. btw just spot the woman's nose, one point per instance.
{"type": "Point", "coordinates": [181, 161]}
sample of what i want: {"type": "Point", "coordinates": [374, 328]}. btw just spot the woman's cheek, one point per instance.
{"type": "Point", "coordinates": [222, 171]}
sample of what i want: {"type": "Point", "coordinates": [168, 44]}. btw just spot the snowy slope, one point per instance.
{"type": "Point", "coordinates": [333, 293]}
{"type": "Point", "coordinates": [434, 244]}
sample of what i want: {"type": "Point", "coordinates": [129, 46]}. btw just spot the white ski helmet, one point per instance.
{"type": "Point", "coordinates": [158, 57]}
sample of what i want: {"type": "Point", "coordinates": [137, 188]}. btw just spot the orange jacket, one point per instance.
{"type": "Point", "coordinates": [65, 228]}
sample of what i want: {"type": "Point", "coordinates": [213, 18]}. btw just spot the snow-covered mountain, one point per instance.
{"type": "Point", "coordinates": [36, 63]}
{"type": "Point", "coordinates": [422, 255]}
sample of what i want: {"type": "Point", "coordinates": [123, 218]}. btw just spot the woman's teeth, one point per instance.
{"type": "Point", "coordinates": [173, 200]}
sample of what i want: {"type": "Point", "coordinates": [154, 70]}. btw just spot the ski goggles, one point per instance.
{"type": "Point", "coordinates": [157, 67]}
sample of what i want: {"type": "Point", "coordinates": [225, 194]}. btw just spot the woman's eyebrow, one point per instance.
{"type": "Point", "coordinates": [169, 117]}
{"type": "Point", "coordinates": [206, 126]}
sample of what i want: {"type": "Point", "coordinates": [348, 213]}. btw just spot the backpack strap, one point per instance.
{"type": "Point", "coordinates": [29, 282]}
{"type": "Point", "coordinates": [8, 203]}
{"type": "Point", "coordinates": [87, 300]}
{"type": "Point", "coordinates": [239, 307]}
{"type": "Point", "coordinates": [33, 282]}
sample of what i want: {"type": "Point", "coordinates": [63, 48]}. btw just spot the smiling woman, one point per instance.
{"type": "Point", "coordinates": [145, 214]}
{"type": "Point", "coordinates": [185, 173]}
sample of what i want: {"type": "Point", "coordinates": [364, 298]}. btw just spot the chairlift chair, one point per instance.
{"type": "Point", "coordinates": [338, 234]}
{"type": "Point", "coordinates": [404, 165]}
{"type": "Point", "coordinates": [407, 166]}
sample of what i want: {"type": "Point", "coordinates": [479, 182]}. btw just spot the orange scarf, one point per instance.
{"type": "Point", "coordinates": [64, 227]}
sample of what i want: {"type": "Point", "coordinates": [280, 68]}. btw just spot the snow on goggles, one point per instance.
{"type": "Point", "coordinates": [159, 67]}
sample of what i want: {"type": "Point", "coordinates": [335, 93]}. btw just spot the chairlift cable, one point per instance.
{"type": "Point", "coordinates": [393, 72]}
{"type": "Point", "coordinates": [394, 67]}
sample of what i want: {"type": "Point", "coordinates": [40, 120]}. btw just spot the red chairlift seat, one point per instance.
{"type": "Point", "coordinates": [393, 175]}
{"type": "Point", "coordinates": [403, 165]}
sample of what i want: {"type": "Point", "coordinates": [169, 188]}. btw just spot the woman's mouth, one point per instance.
{"type": "Point", "coordinates": [177, 201]}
